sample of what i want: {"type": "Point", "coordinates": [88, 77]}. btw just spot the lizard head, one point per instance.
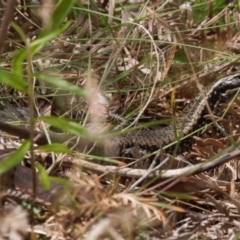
{"type": "Point", "coordinates": [228, 86]}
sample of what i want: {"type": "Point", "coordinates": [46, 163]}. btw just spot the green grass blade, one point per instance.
{"type": "Point", "coordinates": [54, 147]}
{"type": "Point", "coordinates": [58, 82]}
{"type": "Point", "coordinates": [66, 125]}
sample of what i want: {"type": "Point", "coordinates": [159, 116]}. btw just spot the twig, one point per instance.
{"type": "Point", "coordinates": [227, 155]}
{"type": "Point", "coordinates": [149, 171]}
{"type": "Point", "coordinates": [6, 22]}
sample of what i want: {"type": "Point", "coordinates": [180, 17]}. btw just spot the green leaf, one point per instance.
{"type": "Point", "coordinates": [61, 181]}
{"type": "Point", "coordinates": [18, 59]}
{"type": "Point", "coordinates": [17, 63]}
{"type": "Point", "coordinates": [61, 84]}
{"type": "Point", "coordinates": [58, 16]}
{"type": "Point", "coordinates": [61, 12]}
{"type": "Point", "coordinates": [15, 158]}
{"type": "Point", "coordinates": [51, 31]}
{"type": "Point", "coordinates": [43, 177]}
{"type": "Point", "coordinates": [12, 80]}
{"type": "Point", "coordinates": [39, 43]}
{"type": "Point", "coordinates": [66, 125]}
{"type": "Point", "coordinates": [54, 147]}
